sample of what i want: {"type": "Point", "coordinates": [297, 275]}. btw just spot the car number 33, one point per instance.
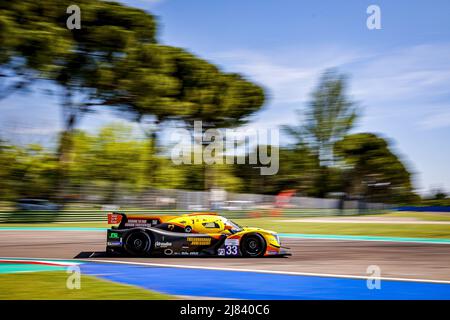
{"type": "Point", "coordinates": [228, 250]}
{"type": "Point", "coordinates": [231, 250]}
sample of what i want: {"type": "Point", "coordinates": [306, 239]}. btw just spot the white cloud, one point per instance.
{"type": "Point", "coordinates": [394, 83]}
{"type": "Point", "coordinates": [289, 75]}
{"type": "Point", "coordinates": [421, 71]}
{"type": "Point", "coordinates": [438, 119]}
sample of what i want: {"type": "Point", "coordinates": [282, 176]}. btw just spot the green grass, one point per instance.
{"type": "Point", "coordinates": [357, 229]}
{"type": "Point", "coordinates": [52, 286]}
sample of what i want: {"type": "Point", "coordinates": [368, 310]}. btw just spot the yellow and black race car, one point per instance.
{"type": "Point", "coordinates": [196, 234]}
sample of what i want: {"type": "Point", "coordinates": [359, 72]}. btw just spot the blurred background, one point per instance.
{"type": "Point", "coordinates": [85, 116]}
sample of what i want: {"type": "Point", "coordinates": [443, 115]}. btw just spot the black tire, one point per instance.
{"type": "Point", "coordinates": [253, 245]}
{"type": "Point", "coordinates": [188, 229]}
{"type": "Point", "coordinates": [138, 243]}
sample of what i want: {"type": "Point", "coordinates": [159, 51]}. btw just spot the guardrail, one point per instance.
{"type": "Point", "coordinates": [101, 216]}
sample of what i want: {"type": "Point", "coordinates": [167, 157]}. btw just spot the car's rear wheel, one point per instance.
{"type": "Point", "coordinates": [253, 245]}
{"type": "Point", "coordinates": [138, 243]}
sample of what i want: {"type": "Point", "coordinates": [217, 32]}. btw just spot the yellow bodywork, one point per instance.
{"type": "Point", "coordinates": [204, 223]}
{"type": "Point", "coordinates": [214, 224]}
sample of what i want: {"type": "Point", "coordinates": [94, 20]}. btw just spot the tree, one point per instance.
{"type": "Point", "coordinates": [171, 84]}
{"type": "Point", "coordinates": [437, 197]}
{"type": "Point", "coordinates": [328, 117]}
{"type": "Point", "coordinates": [7, 163]}
{"type": "Point", "coordinates": [118, 158]}
{"type": "Point", "coordinates": [219, 100]}
{"type": "Point", "coordinates": [42, 46]}
{"type": "Point", "coordinates": [375, 173]}
{"type": "Point", "coordinates": [115, 61]}
{"type": "Point", "coordinates": [144, 85]}
{"type": "Point", "coordinates": [26, 171]}
{"type": "Point", "coordinates": [108, 31]}
{"type": "Point", "coordinates": [31, 44]}
{"type": "Point", "coordinates": [439, 194]}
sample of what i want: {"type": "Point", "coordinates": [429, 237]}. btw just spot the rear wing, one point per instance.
{"type": "Point", "coordinates": [133, 221]}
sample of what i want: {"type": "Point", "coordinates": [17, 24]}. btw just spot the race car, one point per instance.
{"type": "Point", "coordinates": [196, 234]}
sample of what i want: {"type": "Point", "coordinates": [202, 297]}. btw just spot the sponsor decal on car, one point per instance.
{"type": "Point", "coordinates": [137, 224]}
{"type": "Point", "coordinates": [114, 218]}
{"type": "Point", "coordinates": [231, 242]}
{"type": "Point", "coordinates": [163, 244]}
{"type": "Point", "coordinates": [114, 243]}
{"type": "Point", "coordinates": [199, 241]}
{"type": "Point", "coordinates": [114, 235]}
{"type": "Point", "coordinates": [141, 222]}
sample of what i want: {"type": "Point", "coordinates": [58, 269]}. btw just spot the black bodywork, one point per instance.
{"type": "Point", "coordinates": [144, 237]}
{"type": "Point", "coordinates": [156, 242]}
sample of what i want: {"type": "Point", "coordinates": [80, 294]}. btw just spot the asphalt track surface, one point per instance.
{"type": "Point", "coordinates": [415, 261]}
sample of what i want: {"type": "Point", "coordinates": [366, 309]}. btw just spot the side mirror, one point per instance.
{"type": "Point", "coordinates": [228, 227]}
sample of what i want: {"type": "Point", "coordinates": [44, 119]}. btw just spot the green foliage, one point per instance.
{"type": "Point", "coordinates": [329, 116]}
{"type": "Point", "coordinates": [117, 159]}
{"type": "Point", "coordinates": [296, 171]}
{"type": "Point", "coordinates": [114, 60]}
{"type": "Point", "coordinates": [374, 171]}
{"type": "Point", "coordinates": [438, 198]}
{"type": "Point", "coordinates": [26, 171]}
{"type": "Point", "coordinates": [218, 99]}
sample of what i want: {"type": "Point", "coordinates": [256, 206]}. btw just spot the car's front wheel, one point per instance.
{"type": "Point", "coordinates": [138, 243]}
{"type": "Point", "coordinates": [253, 245]}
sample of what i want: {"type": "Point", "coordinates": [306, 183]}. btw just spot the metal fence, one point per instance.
{"type": "Point", "coordinates": [96, 216]}
{"type": "Point", "coordinates": [91, 204]}
{"type": "Point", "coordinates": [91, 197]}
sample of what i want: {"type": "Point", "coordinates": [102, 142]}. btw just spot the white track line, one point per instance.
{"type": "Point", "coordinates": [329, 275]}
{"type": "Point", "coordinates": [294, 273]}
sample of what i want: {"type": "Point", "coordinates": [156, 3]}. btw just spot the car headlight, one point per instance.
{"type": "Point", "coordinates": [277, 237]}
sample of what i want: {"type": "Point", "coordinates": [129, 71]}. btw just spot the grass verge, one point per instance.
{"type": "Point", "coordinates": [52, 286]}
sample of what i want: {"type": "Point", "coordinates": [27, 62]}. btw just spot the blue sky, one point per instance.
{"type": "Point", "coordinates": [400, 75]}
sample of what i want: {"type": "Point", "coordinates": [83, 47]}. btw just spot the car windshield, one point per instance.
{"type": "Point", "coordinates": [234, 225]}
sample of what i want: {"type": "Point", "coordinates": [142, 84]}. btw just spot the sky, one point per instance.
{"type": "Point", "coordinates": [399, 75]}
